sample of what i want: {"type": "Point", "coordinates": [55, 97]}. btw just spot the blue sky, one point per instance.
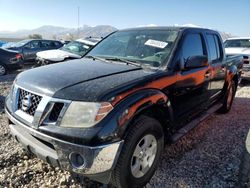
{"type": "Point", "coordinates": [225, 15]}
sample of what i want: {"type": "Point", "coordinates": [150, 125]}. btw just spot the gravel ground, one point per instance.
{"type": "Point", "coordinates": [209, 156]}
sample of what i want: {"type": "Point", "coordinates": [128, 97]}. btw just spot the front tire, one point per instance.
{"type": "Point", "coordinates": [140, 154]}
{"type": "Point", "coordinates": [3, 69]}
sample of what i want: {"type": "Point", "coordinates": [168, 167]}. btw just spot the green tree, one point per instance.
{"type": "Point", "coordinates": [35, 36]}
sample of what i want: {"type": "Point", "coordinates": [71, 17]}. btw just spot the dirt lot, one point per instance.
{"type": "Point", "coordinates": [209, 156]}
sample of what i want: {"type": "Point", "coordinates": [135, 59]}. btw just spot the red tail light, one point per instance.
{"type": "Point", "coordinates": [19, 56]}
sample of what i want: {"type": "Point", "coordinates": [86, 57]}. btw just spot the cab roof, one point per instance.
{"type": "Point", "coordinates": [173, 28]}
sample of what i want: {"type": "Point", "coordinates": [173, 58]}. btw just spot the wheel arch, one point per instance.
{"type": "Point", "coordinates": [152, 103]}
{"type": "Point", "coordinates": [5, 66]}
{"type": "Point", "coordinates": [232, 75]}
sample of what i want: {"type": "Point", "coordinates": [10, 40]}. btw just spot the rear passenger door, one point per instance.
{"type": "Point", "coordinates": [216, 61]}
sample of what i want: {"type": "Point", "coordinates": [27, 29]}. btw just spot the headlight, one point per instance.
{"type": "Point", "coordinates": [85, 114]}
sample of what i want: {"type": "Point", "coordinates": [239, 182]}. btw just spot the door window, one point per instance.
{"type": "Point", "coordinates": [214, 48]}
{"type": "Point", "coordinates": [219, 47]}
{"type": "Point", "coordinates": [34, 45]}
{"type": "Point", "coordinates": [192, 46]}
{"type": "Point", "coordinates": [45, 44]}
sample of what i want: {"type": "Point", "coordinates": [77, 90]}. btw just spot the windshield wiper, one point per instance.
{"type": "Point", "coordinates": [98, 58]}
{"type": "Point", "coordinates": [135, 63]}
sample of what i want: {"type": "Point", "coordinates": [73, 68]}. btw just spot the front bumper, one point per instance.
{"type": "Point", "coordinates": [246, 71]}
{"type": "Point", "coordinates": [99, 159]}
{"type": "Point", "coordinates": [248, 142]}
{"type": "Point", "coordinates": [15, 65]}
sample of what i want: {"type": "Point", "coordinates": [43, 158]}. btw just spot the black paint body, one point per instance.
{"type": "Point", "coordinates": [188, 91]}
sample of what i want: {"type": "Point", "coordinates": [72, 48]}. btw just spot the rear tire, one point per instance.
{"type": "Point", "coordinates": [3, 69]}
{"type": "Point", "coordinates": [244, 173]}
{"type": "Point", "coordinates": [228, 99]}
{"type": "Point", "coordinates": [140, 154]}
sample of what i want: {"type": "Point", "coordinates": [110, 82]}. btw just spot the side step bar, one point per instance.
{"type": "Point", "coordinates": [184, 130]}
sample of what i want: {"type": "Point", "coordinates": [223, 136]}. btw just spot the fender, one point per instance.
{"type": "Point", "coordinates": [124, 112]}
{"type": "Point", "coordinates": [143, 100]}
{"type": "Point", "coordinates": [231, 72]}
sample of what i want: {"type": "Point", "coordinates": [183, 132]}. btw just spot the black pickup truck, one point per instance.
{"type": "Point", "coordinates": [108, 115]}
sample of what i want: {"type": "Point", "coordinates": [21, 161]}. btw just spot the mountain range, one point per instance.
{"type": "Point", "coordinates": [64, 33]}
{"type": "Point", "coordinates": [56, 32]}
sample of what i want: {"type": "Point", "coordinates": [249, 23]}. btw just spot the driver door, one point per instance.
{"type": "Point", "coordinates": [191, 89]}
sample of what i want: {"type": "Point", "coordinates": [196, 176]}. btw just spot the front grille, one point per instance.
{"type": "Point", "coordinates": [34, 102]}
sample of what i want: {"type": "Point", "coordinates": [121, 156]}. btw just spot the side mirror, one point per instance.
{"type": "Point", "coordinates": [196, 62]}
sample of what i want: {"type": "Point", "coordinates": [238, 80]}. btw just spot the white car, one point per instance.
{"type": "Point", "coordinates": [72, 50]}
{"type": "Point", "coordinates": [240, 46]}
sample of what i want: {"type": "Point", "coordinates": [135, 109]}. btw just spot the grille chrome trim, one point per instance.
{"type": "Point", "coordinates": [42, 111]}
{"type": "Point", "coordinates": [33, 101]}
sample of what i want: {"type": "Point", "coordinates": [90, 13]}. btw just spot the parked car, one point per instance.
{"type": "Point", "coordinates": [240, 46]}
{"type": "Point", "coordinates": [73, 50]}
{"type": "Point", "coordinates": [108, 115]}
{"type": "Point", "coordinates": [28, 48]}
{"type": "Point", "coordinates": [9, 60]}
{"type": "Point", "coordinates": [244, 174]}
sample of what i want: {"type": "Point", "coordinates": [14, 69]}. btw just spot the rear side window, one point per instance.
{"type": "Point", "coordinates": [45, 44]}
{"type": "Point", "coordinates": [219, 47]}
{"type": "Point", "coordinates": [192, 46]}
{"type": "Point", "coordinates": [57, 44]}
{"type": "Point", "coordinates": [214, 47]}
{"type": "Point", "coordinates": [33, 45]}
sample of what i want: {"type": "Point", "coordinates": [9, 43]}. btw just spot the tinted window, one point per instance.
{"type": "Point", "coordinates": [33, 45]}
{"type": "Point", "coordinates": [212, 47]}
{"type": "Point", "coordinates": [192, 46]}
{"type": "Point", "coordinates": [45, 44]}
{"type": "Point", "coordinates": [56, 44]}
{"type": "Point", "coordinates": [219, 47]}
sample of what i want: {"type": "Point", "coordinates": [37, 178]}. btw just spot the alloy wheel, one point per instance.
{"type": "Point", "coordinates": [2, 70]}
{"type": "Point", "coordinates": [143, 156]}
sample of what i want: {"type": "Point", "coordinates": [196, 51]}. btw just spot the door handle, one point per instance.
{"type": "Point", "coordinates": [208, 74]}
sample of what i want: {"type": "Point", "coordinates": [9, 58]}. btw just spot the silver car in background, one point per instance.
{"type": "Point", "coordinates": [240, 46]}
{"type": "Point", "coordinates": [73, 50]}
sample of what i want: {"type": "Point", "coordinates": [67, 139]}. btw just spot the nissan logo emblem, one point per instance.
{"type": "Point", "coordinates": [26, 102]}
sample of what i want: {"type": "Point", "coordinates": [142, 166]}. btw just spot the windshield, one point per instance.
{"type": "Point", "coordinates": [145, 46]}
{"type": "Point", "coordinates": [76, 47]}
{"type": "Point", "coordinates": [237, 43]}
{"type": "Point", "coordinates": [20, 43]}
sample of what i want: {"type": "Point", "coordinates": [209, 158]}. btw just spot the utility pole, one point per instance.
{"type": "Point", "coordinates": [78, 22]}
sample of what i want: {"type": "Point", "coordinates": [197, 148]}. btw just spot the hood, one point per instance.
{"type": "Point", "coordinates": [56, 55]}
{"type": "Point", "coordinates": [48, 80]}
{"type": "Point", "coordinates": [8, 50]}
{"type": "Point", "coordinates": [241, 51]}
